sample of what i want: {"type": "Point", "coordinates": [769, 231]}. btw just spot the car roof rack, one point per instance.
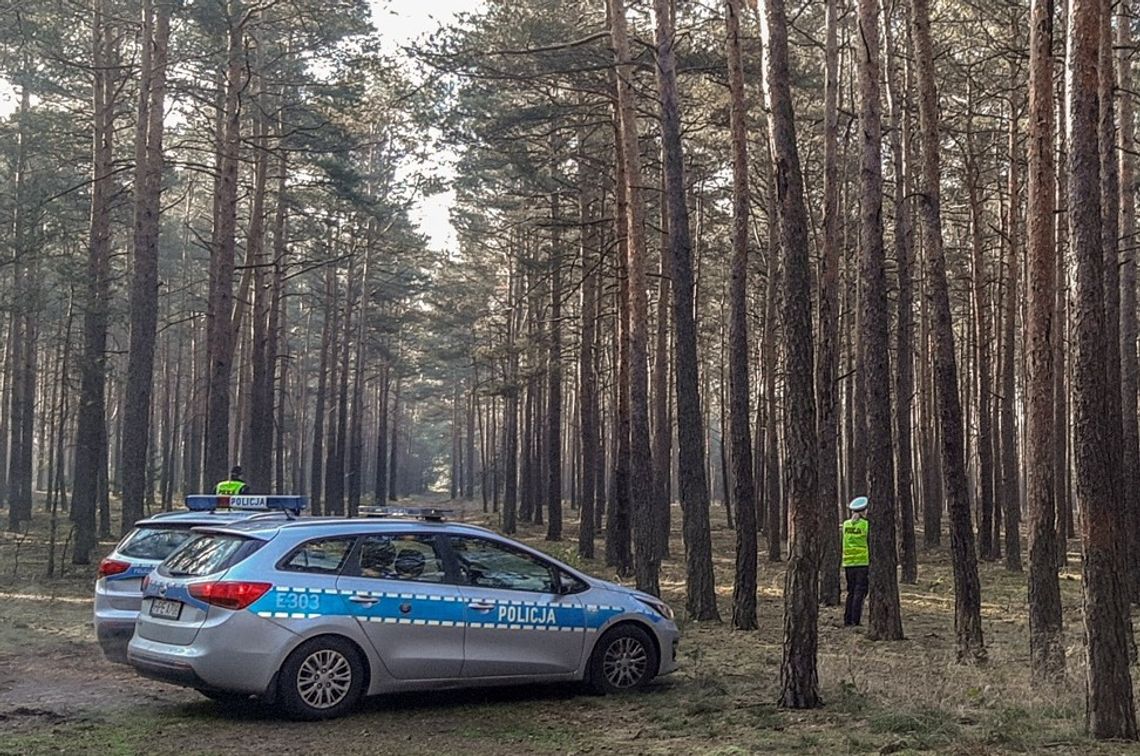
{"type": "Point", "coordinates": [291, 506]}
{"type": "Point", "coordinates": [431, 514]}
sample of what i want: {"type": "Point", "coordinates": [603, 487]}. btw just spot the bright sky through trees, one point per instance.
{"type": "Point", "coordinates": [402, 22]}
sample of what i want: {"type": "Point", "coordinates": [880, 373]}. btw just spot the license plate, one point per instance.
{"type": "Point", "coordinates": [166, 609]}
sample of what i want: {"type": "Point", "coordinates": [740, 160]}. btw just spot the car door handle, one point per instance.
{"type": "Point", "coordinates": [361, 598]}
{"type": "Point", "coordinates": [480, 606]}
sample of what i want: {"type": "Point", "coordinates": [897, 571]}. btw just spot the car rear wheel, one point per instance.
{"type": "Point", "coordinates": [323, 678]}
{"type": "Point", "coordinates": [624, 659]}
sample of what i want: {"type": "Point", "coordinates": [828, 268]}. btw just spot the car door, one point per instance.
{"type": "Point", "coordinates": [407, 604]}
{"type": "Point", "coordinates": [518, 621]}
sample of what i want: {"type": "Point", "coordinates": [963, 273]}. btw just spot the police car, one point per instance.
{"type": "Point", "coordinates": [118, 590]}
{"type": "Point", "coordinates": [314, 614]}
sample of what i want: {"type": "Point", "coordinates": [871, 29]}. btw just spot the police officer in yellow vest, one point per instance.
{"type": "Point", "coordinates": [232, 486]}
{"type": "Point", "coordinates": [856, 560]}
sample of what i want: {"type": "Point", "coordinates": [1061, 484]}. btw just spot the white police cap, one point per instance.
{"type": "Point", "coordinates": [858, 504]}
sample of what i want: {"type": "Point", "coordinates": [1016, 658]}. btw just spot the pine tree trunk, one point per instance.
{"type": "Point", "coordinates": [1011, 488]}
{"type": "Point", "coordinates": [645, 561]}
{"type": "Point", "coordinates": [1128, 324]}
{"type": "Point", "coordinates": [700, 593]}
{"type": "Point", "coordinates": [554, 368]}
{"type": "Point", "coordinates": [885, 613]}
{"type": "Point", "coordinates": [982, 344]}
{"type": "Point", "coordinates": [827, 359]}
{"type": "Point", "coordinates": [904, 336]}
{"type": "Point", "coordinates": [967, 591]}
{"type": "Point", "coordinates": [799, 679]}
{"type": "Point", "coordinates": [316, 471]}
{"type": "Point", "coordinates": [1109, 708]}
{"type": "Point", "coordinates": [219, 311]}
{"type": "Point", "coordinates": [91, 431]}
{"type": "Point", "coordinates": [743, 492]}
{"type": "Point", "coordinates": [587, 382]}
{"type": "Point", "coordinates": [1046, 638]}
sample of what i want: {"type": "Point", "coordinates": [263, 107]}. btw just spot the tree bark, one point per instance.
{"type": "Point", "coordinates": [885, 613]}
{"type": "Point", "coordinates": [967, 591]}
{"type": "Point", "coordinates": [91, 430]}
{"type": "Point", "coordinates": [743, 491]}
{"type": "Point", "coordinates": [1128, 325]}
{"type": "Point", "coordinates": [1109, 709]}
{"type": "Point", "coordinates": [144, 282]}
{"type": "Point", "coordinates": [827, 358]}
{"type": "Point", "coordinates": [219, 311]}
{"type": "Point", "coordinates": [904, 336]}
{"type": "Point", "coordinates": [799, 678]}
{"type": "Point", "coordinates": [645, 561]}
{"type": "Point", "coordinates": [1011, 487]}
{"type": "Point", "coordinates": [1046, 638]}
{"type": "Point", "coordinates": [700, 585]}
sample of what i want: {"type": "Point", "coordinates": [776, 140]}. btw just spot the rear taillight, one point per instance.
{"type": "Point", "coordinates": [229, 594]}
{"type": "Point", "coordinates": [112, 567]}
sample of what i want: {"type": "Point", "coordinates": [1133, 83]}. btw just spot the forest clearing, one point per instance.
{"type": "Point", "coordinates": [760, 307]}
{"type": "Point", "coordinates": [58, 695]}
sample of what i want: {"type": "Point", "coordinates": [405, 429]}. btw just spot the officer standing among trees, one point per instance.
{"type": "Point", "coordinates": [856, 561]}
{"type": "Point", "coordinates": [233, 485]}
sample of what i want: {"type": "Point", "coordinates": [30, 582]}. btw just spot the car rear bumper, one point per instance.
{"type": "Point", "coordinates": [240, 654]}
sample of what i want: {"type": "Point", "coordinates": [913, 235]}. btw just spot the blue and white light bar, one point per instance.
{"type": "Point", "coordinates": [211, 503]}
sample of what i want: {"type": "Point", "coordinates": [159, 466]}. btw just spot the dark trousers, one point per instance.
{"type": "Point", "coordinates": [857, 580]}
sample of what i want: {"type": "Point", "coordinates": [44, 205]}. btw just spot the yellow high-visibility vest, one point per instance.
{"type": "Point", "coordinates": [855, 551]}
{"type": "Point", "coordinates": [230, 488]}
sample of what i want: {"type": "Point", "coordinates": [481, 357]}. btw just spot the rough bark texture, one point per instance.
{"type": "Point", "coordinates": [799, 679]}
{"type": "Point", "coordinates": [220, 339]}
{"type": "Point", "coordinates": [885, 614]}
{"type": "Point", "coordinates": [1011, 487]}
{"type": "Point", "coordinates": [743, 491]}
{"type": "Point", "coordinates": [967, 592]}
{"type": "Point", "coordinates": [587, 383]}
{"type": "Point", "coordinates": [554, 368]}
{"type": "Point", "coordinates": [700, 593]}
{"type": "Point", "coordinates": [91, 430]}
{"type": "Point", "coordinates": [1109, 711]}
{"type": "Point", "coordinates": [144, 282]}
{"type": "Point", "coordinates": [982, 347]}
{"type": "Point", "coordinates": [1046, 642]}
{"type": "Point", "coordinates": [1128, 325]}
{"type": "Point", "coordinates": [904, 335]}
{"type": "Point", "coordinates": [827, 358]}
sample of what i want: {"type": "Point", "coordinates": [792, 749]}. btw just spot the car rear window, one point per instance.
{"type": "Point", "coordinates": [208, 554]}
{"type": "Point", "coordinates": [153, 542]}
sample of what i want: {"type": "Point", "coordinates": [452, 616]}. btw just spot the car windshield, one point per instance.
{"type": "Point", "coordinates": [153, 542]}
{"type": "Point", "coordinates": [208, 554]}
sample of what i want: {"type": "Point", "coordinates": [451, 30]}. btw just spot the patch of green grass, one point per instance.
{"type": "Point", "coordinates": [927, 727]}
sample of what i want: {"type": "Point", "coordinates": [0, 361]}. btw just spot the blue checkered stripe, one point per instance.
{"type": "Point", "coordinates": [435, 610]}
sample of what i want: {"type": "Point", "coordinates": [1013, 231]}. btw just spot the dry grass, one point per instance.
{"type": "Point", "coordinates": [906, 696]}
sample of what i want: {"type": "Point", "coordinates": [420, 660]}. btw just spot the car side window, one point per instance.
{"type": "Point", "coordinates": [487, 564]}
{"type": "Point", "coordinates": [323, 555]}
{"type": "Point", "coordinates": [402, 557]}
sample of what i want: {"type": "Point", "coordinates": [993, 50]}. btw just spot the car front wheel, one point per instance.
{"type": "Point", "coordinates": [623, 659]}
{"type": "Point", "coordinates": [322, 679]}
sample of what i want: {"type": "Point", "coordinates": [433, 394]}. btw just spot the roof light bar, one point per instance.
{"type": "Point", "coordinates": [211, 503]}
{"type": "Point", "coordinates": [433, 514]}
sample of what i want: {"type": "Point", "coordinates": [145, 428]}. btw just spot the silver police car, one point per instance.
{"type": "Point", "coordinates": [316, 613]}
{"type": "Point", "coordinates": [118, 589]}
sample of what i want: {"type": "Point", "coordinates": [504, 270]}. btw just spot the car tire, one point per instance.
{"type": "Point", "coordinates": [624, 659]}
{"type": "Point", "coordinates": [224, 696]}
{"type": "Point", "coordinates": [322, 679]}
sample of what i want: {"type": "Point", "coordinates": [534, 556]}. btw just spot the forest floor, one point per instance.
{"type": "Point", "coordinates": [58, 695]}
